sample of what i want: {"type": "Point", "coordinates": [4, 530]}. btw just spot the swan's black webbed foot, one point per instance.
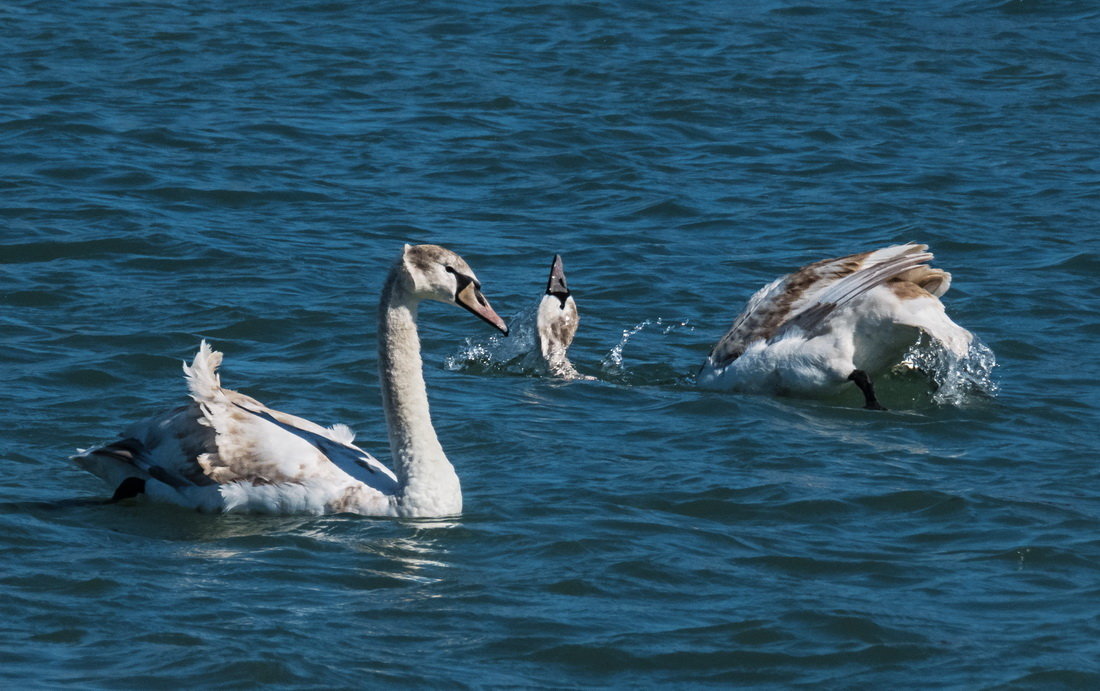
{"type": "Point", "coordinates": [127, 489]}
{"type": "Point", "coordinates": [864, 383]}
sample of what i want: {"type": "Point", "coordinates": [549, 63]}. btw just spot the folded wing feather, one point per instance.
{"type": "Point", "coordinates": [803, 298]}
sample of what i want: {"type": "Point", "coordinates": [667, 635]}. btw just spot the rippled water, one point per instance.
{"type": "Point", "coordinates": [246, 174]}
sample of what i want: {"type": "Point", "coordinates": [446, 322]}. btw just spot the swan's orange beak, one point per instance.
{"type": "Point", "coordinates": [471, 298]}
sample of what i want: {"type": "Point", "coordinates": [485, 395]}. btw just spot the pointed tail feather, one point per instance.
{"type": "Point", "coordinates": [202, 375]}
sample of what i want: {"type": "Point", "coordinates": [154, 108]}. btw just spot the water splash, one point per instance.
{"type": "Point", "coordinates": [613, 361]}
{"type": "Point", "coordinates": [515, 354]}
{"type": "Point", "coordinates": [613, 364]}
{"type": "Point", "coordinates": [519, 353]}
{"type": "Point", "coordinates": [956, 380]}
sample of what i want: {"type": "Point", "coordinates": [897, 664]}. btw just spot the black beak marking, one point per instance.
{"type": "Point", "coordinates": [556, 284]}
{"type": "Point", "coordinates": [461, 281]}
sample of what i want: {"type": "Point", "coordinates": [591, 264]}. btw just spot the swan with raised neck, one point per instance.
{"type": "Point", "coordinates": [429, 484]}
{"type": "Point", "coordinates": [226, 451]}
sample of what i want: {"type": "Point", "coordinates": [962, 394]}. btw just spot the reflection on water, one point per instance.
{"type": "Point", "coordinates": [377, 553]}
{"type": "Point", "coordinates": [404, 549]}
{"type": "Point", "coordinates": [848, 426]}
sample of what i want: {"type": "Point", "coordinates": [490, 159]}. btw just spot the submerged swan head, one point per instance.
{"type": "Point", "coordinates": [431, 272]}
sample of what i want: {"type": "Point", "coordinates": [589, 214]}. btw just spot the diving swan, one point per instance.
{"type": "Point", "coordinates": [835, 321]}
{"type": "Point", "coordinates": [556, 323]}
{"type": "Point", "coordinates": [225, 451]}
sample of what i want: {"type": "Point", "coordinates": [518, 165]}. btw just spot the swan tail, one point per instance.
{"type": "Point", "coordinates": [202, 375]}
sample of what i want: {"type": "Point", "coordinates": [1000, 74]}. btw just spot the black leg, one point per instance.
{"type": "Point", "coordinates": [864, 383]}
{"type": "Point", "coordinates": [127, 489]}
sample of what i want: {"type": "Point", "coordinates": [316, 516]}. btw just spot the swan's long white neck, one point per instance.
{"type": "Point", "coordinates": [429, 484]}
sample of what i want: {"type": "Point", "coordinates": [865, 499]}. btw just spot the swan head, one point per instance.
{"type": "Point", "coordinates": [432, 272]}
{"type": "Point", "coordinates": [556, 286]}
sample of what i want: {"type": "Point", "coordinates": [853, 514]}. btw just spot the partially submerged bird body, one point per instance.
{"type": "Point", "coordinates": [556, 323]}
{"type": "Point", "coordinates": [833, 323]}
{"type": "Point", "coordinates": [225, 451]}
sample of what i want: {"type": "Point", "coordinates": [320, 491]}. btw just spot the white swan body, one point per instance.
{"type": "Point", "coordinates": [225, 451]}
{"type": "Point", "coordinates": [836, 321]}
{"type": "Point", "coordinates": [556, 323]}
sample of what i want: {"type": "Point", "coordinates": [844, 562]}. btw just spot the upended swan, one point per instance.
{"type": "Point", "coordinates": [556, 323]}
{"type": "Point", "coordinates": [225, 451]}
{"type": "Point", "coordinates": [835, 321]}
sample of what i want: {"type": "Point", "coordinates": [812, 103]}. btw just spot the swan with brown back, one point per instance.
{"type": "Point", "coordinates": [835, 323]}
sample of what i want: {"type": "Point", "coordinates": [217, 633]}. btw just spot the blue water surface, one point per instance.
{"type": "Point", "coordinates": [246, 172]}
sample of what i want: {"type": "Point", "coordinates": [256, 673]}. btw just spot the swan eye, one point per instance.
{"type": "Point", "coordinates": [450, 269]}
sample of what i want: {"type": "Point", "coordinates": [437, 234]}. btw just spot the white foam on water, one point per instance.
{"type": "Point", "coordinates": [517, 352]}
{"type": "Point", "coordinates": [957, 380]}
{"type": "Point", "coordinates": [613, 362]}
